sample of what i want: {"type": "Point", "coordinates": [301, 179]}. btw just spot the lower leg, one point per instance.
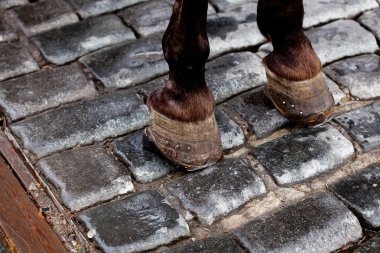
{"type": "Point", "coordinates": [185, 96]}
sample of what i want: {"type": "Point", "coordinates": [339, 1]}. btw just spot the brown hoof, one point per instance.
{"type": "Point", "coordinates": [308, 102]}
{"type": "Point", "coordinates": [193, 145]}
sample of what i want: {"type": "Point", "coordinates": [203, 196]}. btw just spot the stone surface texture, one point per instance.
{"type": "Point", "coordinates": [319, 223]}
{"type": "Point", "coordinates": [371, 246]}
{"type": "Point", "coordinates": [136, 223]}
{"type": "Point", "coordinates": [231, 133]}
{"type": "Point", "coordinates": [371, 20]}
{"type": "Point", "coordinates": [363, 124]}
{"type": "Point", "coordinates": [337, 93]}
{"type": "Point", "coordinates": [4, 4]}
{"type": "Point", "coordinates": [128, 64]}
{"type": "Point", "coordinates": [43, 15]}
{"type": "Point", "coordinates": [43, 90]}
{"type": "Point", "coordinates": [362, 193]}
{"type": "Point", "coordinates": [15, 60]}
{"type": "Point", "coordinates": [6, 32]}
{"type": "Point", "coordinates": [67, 43]}
{"type": "Point", "coordinates": [219, 189]}
{"type": "Point", "coordinates": [361, 75]}
{"type": "Point", "coordinates": [82, 123]}
{"type": "Point", "coordinates": [304, 154]}
{"type": "Point", "coordinates": [85, 176]}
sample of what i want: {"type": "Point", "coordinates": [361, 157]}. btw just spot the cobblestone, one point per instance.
{"type": "Point", "coordinates": [4, 4]}
{"type": "Point", "coordinates": [6, 32]}
{"type": "Point", "coordinates": [226, 5]}
{"type": "Point", "coordinates": [128, 64]}
{"type": "Point", "coordinates": [340, 39]}
{"type": "Point", "coordinates": [43, 90]}
{"type": "Point", "coordinates": [234, 30]}
{"type": "Point", "coordinates": [362, 193]}
{"type": "Point", "coordinates": [89, 8]}
{"type": "Point", "coordinates": [337, 93]}
{"type": "Point", "coordinates": [259, 112]}
{"type": "Point", "coordinates": [15, 60]}
{"type": "Point", "coordinates": [85, 176]}
{"type": "Point", "coordinates": [371, 246]}
{"type": "Point", "coordinates": [361, 75]}
{"type": "Point", "coordinates": [82, 123]}
{"type": "Point", "coordinates": [319, 223]}
{"type": "Point", "coordinates": [139, 222]}
{"type": "Point", "coordinates": [363, 124]}
{"type": "Point", "coordinates": [67, 43]}
{"type": "Point", "coordinates": [232, 74]}
{"type": "Point", "coordinates": [317, 12]}
{"type": "Point", "coordinates": [231, 133]}
{"type": "Point", "coordinates": [219, 189]}
{"type": "Point", "coordinates": [43, 15]}
{"type": "Point", "coordinates": [217, 244]}
{"type": "Point", "coordinates": [145, 164]}
{"type": "Point", "coordinates": [371, 20]}
{"type": "Point", "coordinates": [304, 154]}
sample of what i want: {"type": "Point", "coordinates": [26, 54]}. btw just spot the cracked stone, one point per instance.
{"type": "Point", "coordinates": [6, 32]}
{"type": "Point", "coordinates": [304, 154]}
{"type": "Point", "coordinates": [67, 43]}
{"type": "Point", "coordinates": [362, 193]}
{"type": "Point", "coordinates": [231, 133]}
{"type": "Point", "coordinates": [364, 125]}
{"type": "Point", "coordinates": [371, 246]}
{"type": "Point", "coordinates": [15, 60]}
{"type": "Point", "coordinates": [89, 8]}
{"type": "Point", "coordinates": [233, 74]}
{"type": "Point", "coordinates": [43, 15]}
{"type": "Point", "coordinates": [317, 12]}
{"type": "Point", "coordinates": [234, 30]}
{"type": "Point", "coordinates": [136, 223]}
{"type": "Point", "coordinates": [128, 64]}
{"type": "Point", "coordinates": [371, 20]}
{"type": "Point", "coordinates": [145, 164]}
{"type": "Point", "coordinates": [259, 112]}
{"type": "Point", "coordinates": [85, 176]}
{"type": "Point", "coordinates": [216, 244]}
{"type": "Point", "coordinates": [218, 190]}
{"type": "Point", "coordinates": [45, 89]}
{"type": "Point", "coordinates": [83, 122]}
{"type": "Point", "coordinates": [5, 4]}
{"type": "Point", "coordinates": [317, 224]}
{"type": "Point", "coordinates": [361, 75]}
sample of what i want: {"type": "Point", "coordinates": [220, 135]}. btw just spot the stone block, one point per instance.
{"type": "Point", "coordinates": [231, 133]}
{"type": "Point", "coordinates": [6, 32]}
{"type": "Point", "coordinates": [371, 246]}
{"type": "Point", "coordinates": [5, 4]}
{"type": "Point", "coordinates": [371, 20]}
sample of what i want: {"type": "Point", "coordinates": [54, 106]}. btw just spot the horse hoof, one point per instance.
{"type": "Point", "coordinates": [308, 102]}
{"type": "Point", "coordinates": [192, 145]}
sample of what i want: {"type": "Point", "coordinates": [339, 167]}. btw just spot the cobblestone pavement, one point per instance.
{"type": "Point", "coordinates": [74, 75]}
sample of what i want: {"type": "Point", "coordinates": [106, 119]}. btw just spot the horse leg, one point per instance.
{"type": "Point", "coordinates": [295, 83]}
{"type": "Point", "coordinates": [183, 122]}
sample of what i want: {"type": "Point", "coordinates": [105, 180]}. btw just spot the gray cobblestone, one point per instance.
{"type": "Point", "coordinates": [319, 223]}
{"type": "Point", "coordinates": [89, 8]}
{"type": "Point", "coordinates": [217, 244]}
{"type": "Point", "coordinates": [128, 64]}
{"type": "Point", "coordinates": [234, 30]}
{"type": "Point", "coordinates": [317, 12]}
{"type": "Point", "coordinates": [259, 112]}
{"type": "Point", "coordinates": [137, 223]}
{"type": "Point", "coordinates": [43, 90]}
{"type": "Point", "coordinates": [362, 193]}
{"type": "Point", "coordinates": [43, 15]}
{"type": "Point", "coordinates": [361, 75]}
{"type": "Point", "coordinates": [337, 93]}
{"type": "Point", "coordinates": [363, 124]}
{"type": "Point", "coordinates": [226, 5]}
{"type": "Point", "coordinates": [85, 176]}
{"type": "Point", "coordinates": [340, 39]}
{"type": "Point", "coordinates": [231, 133]}
{"type": "Point", "coordinates": [6, 32]}
{"type": "Point", "coordinates": [4, 4]}
{"type": "Point", "coordinates": [371, 19]}
{"type": "Point", "coordinates": [15, 60]}
{"type": "Point", "coordinates": [371, 246]}
{"type": "Point", "coordinates": [67, 43]}
{"type": "Point", "coordinates": [234, 73]}
{"type": "Point", "coordinates": [218, 190]}
{"type": "Point", "coordinates": [145, 164]}
{"type": "Point", "coordinates": [82, 123]}
{"type": "Point", "coordinates": [304, 154]}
